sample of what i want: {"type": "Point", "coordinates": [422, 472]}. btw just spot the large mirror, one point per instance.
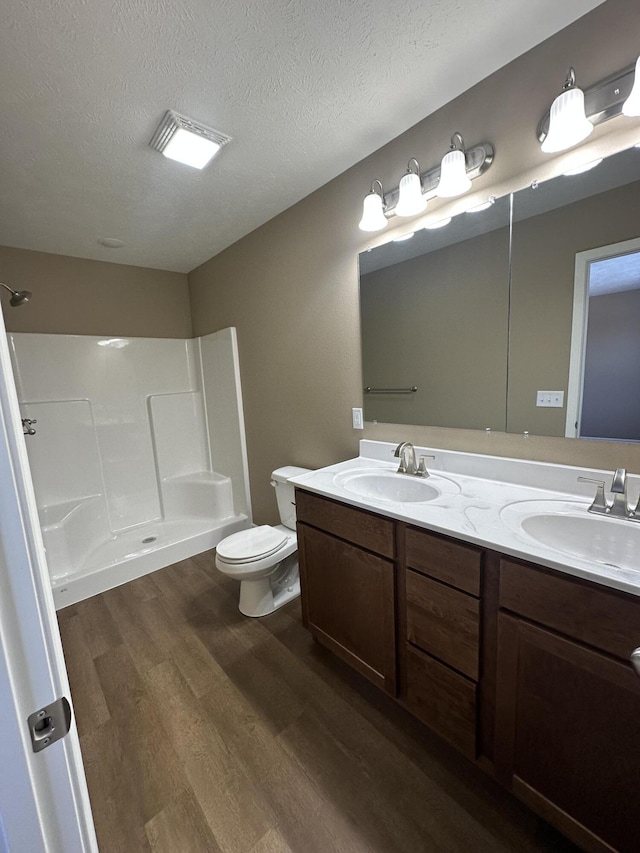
{"type": "Point", "coordinates": [437, 314]}
{"type": "Point", "coordinates": [434, 317]}
{"type": "Point", "coordinates": [575, 304]}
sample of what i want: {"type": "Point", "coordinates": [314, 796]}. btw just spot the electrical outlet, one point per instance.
{"type": "Point", "coordinates": [357, 419]}
{"type": "Point", "coordinates": [550, 399]}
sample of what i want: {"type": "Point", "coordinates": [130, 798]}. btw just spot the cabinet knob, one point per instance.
{"type": "Point", "coordinates": [635, 660]}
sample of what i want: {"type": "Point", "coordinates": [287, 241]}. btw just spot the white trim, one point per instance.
{"type": "Point", "coordinates": [241, 425]}
{"type": "Point", "coordinates": [32, 658]}
{"type": "Point", "coordinates": [579, 325]}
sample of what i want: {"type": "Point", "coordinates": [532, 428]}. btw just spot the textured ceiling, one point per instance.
{"type": "Point", "coordinates": [305, 88]}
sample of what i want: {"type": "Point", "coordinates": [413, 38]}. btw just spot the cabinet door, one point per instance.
{"type": "Point", "coordinates": [568, 735]}
{"type": "Point", "coordinates": [348, 597]}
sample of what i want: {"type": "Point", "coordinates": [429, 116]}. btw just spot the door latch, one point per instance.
{"type": "Point", "coordinates": [49, 724]}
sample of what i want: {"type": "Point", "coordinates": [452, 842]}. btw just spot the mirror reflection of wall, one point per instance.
{"type": "Point", "coordinates": [554, 224]}
{"type": "Point", "coordinates": [434, 312]}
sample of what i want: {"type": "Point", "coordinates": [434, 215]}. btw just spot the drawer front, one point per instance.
{"type": "Point", "coordinates": [362, 528]}
{"type": "Point", "coordinates": [601, 617]}
{"type": "Point", "coordinates": [441, 558]}
{"type": "Point", "coordinates": [442, 699]}
{"type": "Point", "coordinates": [443, 622]}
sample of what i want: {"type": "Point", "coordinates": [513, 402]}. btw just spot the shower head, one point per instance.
{"type": "Point", "coordinates": [18, 297]}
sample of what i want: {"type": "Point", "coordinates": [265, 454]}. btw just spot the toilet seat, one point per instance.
{"type": "Point", "coordinates": [248, 546]}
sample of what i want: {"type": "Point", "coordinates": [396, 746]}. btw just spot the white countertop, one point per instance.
{"type": "Point", "coordinates": [476, 514]}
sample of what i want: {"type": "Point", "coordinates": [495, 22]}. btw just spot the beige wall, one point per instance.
{"type": "Point", "coordinates": [291, 287]}
{"type": "Point", "coordinates": [74, 296]}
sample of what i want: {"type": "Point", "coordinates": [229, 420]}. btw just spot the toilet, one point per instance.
{"type": "Point", "coordinates": [265, 559]}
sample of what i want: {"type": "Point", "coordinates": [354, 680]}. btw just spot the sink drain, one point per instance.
{"type": "Point", "coordinates": [147, 540]}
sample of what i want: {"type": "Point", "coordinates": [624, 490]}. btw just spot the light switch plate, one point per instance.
{"type": "Point", "coordinates": [550, 399]}
{"type": "Point", "coordinates": [357, 419]}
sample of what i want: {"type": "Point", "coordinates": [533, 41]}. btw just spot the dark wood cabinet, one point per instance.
{"type": "Point", "coordinates": [348, 592]}
{"type": "Point", "coordinates": [440, 658]}
{"type": "Point", "coordinates": [568, 705]}
{"type": "Point", "coordinates": [523, 669]}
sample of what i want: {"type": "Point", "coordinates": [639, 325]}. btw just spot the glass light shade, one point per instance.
{"type": "Point", "coordinates": [453, 175]}
{"type": "Point", "coordinates": [568, 123]}
{"type": "Point", "coordinates": [631, 106]}
{"type": "Point", "coordinates": [373, 218]}
{"type": "Point", "coordinates": [410, 201]}
{"type": "Point", "coordinates": [190, 148]}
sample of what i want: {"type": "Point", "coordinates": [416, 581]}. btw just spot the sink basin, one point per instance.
{"type": "Point", "coordinates": [567, 527]}
{"type": "Point", "coordinates": [382, 485]}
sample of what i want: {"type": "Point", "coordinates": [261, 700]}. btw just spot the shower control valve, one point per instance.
{"type": "Point", "coordinates": [27, 426]}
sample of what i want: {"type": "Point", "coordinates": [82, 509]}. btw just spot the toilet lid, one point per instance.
{"type": "Point", "coordinates": [251, 544]}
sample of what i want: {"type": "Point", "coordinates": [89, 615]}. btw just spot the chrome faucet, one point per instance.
{"type": "Point", "coordinates": [619, 506]}
{"type": "Point", "coordinates": [406, 453]}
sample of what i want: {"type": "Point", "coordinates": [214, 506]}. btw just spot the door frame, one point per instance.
{"type": "Point", "coordinates": [44, 801]}
{"type": "Point", "coordinates": [579, 325]}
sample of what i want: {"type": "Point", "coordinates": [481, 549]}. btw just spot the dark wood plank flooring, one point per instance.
{"type": "Point", "coordinates": [203, 730]}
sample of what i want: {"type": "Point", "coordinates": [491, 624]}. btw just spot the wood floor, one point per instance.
{"type": "Point", "coordinates": [203, 730]}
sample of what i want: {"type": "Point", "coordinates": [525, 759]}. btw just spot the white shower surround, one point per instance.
{"type": "Point", "coordinates": [136, 439]}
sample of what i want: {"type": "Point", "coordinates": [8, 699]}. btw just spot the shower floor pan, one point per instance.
{"type": "Point", "coordinates": [135, 552]}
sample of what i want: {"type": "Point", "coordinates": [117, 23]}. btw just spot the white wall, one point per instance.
{"type": "Point", "coordinates": [116, 416]}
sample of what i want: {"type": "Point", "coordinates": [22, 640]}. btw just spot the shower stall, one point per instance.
{"type": "Point", "coordinates": [137, 452]}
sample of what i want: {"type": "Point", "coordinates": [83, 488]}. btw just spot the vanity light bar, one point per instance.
{"type": "Point", "coordinates": [602, 101]}
{"type": "Point", "coordinates": [478, 160]}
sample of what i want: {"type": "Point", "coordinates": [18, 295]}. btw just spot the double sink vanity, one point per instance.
{"type": "Point", "coordinates": [490, 603]}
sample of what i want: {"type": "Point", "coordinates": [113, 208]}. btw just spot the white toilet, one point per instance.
{"type": "Point", "coordinates": [265, 559]}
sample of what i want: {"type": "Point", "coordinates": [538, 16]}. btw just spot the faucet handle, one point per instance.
{"type": "Point", "coordinates": [421, 470]}
{"type": "Point", "coordinates": [599, 502]}
{"type": "Point", "coordinates": [619, 481]}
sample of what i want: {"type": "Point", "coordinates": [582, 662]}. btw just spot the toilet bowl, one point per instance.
{"type": "Point", "coordinates": [265, 559]}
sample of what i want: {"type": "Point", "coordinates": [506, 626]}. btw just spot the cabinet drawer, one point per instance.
{"type": "Point", "coordinates": [441, 558]}
{"type": "Point", "coordinates": [442, 699]}
{"type": "Point", "coordinates": [604, 618]}
{"type": "Point", "coordinates": [443, 622]}
{"type": "Point", "coordinates": [362, 528]}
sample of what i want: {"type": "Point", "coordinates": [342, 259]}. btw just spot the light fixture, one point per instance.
{"type": "Point", "coordinates": [584, 167]}
{"type": "Point", "coordinates": [439, 224]}
{"type": "Point", "coordinates": [373, 218]}
{"type": "Point", "coordinates": [615, 95]}
{"type": "Point", "coordinates": [187, 141]}
{"type": "Point", "coordinates": [453, 171]}
{"type": "Point", "coordinates": [404, 237]}
{"type": "Point", "coordinates": [416, 187]}
{"type": "Point", "coordinates": [631, 106]}
{"type": "Point", "coordinates": [568, 123]}
{"type": "Point", "coordinates": [411, 201]}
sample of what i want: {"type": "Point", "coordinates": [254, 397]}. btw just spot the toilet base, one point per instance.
{"type": "Point", "coordinates": [265, 595]}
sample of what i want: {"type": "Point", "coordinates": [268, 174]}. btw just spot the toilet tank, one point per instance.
{"type": "Point", "coordinates": [285, 493]}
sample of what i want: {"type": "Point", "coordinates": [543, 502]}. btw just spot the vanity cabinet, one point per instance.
{"type": "Point", "coordinates": [347, 575]}
{"type": "Point", "coordinates": [568, 704]}
{"type": "Point", "coordinates": [442, 635]}
{"type": "Point", "coordinates": [523, 669]}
